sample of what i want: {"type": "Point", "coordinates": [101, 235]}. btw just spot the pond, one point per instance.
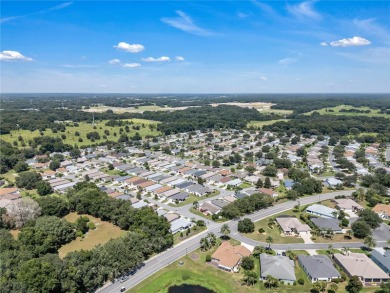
{"type": "Point", "coordinates": [189, 289]}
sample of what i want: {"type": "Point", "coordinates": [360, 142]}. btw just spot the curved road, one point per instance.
{"type": "Point", "coordinates": [167, 257]}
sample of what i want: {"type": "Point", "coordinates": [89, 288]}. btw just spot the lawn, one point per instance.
{"type": "Point", "coordinates": [192, 198]}
{"type": "Point", "coordinates": [194, 230]}
{"type": "Point", "coordinates": [273, 232]}
{"type": "Point", "coordinates": [335, 238]}
{"type": "Point", "coordinates": [245, 185]}
{"type": "Point", "coordinates": [199, 213]}
{"type": "Point", "coordinates": [373, 113]}
{"type": "Point", "coordinates": [263, 123]}
{"type": "Point", "coordinates": [10, 176]}
{"type": "Point", "coordinates": [84, 128]}
{"type": "Point", "coordinates": [103, 233]}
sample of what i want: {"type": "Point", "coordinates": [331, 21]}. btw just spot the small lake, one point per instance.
{"type": "Point", "coordinates": [189, 289]}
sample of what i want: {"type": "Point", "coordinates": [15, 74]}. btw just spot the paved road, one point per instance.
{"type": "Point", "coordinates": [160, 261]}
{"type": "Point", "coordinates": [331, 160]}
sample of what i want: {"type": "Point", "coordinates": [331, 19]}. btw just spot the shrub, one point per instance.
{"type": "Point", "coordinates": [91, 226]}
{"type": "Point", "coordinates": [208, 258]}
{"type": "Point", "coordinates": [261, 230]}
{"type": "Point", "coordinates": [301, 281]}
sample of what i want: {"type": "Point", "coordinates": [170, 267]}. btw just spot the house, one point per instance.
{"type": "Point", "coordinates": [171, 217]}
{"type": "Point", "coordinates": [382, 258]}
{"type": "Point", "coordinates": [322, 211]}
{"type": "Point", "coordinates": [347, 204]}
{"type": "Point", "coordinates": [228, 257]}
{"type": "Point", "coordinates": [48, 174]}
{"type": "Point", "coordinates": [203, 191]}
{"type": "Point", "coordinates": [279, 267]}
{"type": "Point", "coordinates": [325, 224]}
{"type": "Point", "coordinates": [359, 264]}
{"type": "Point", "coordinates": [291, 225]}
{"type": "Point", "coordinates": [181, 196]}
{"type": "Point", "coordinates": [234, 182]}
{"type": "Point", "coordinates": [268, 191]}
{"type": "Point", "coordinates": [318, 267]}
{"type": "Point", "coordinates": [383, 210]}
{"type": "Point", "coordinates": [332, 182]}
{"type": "Point", "coordinates": [288, 183]}
{"type": "Point", "coordinates": [209, 208]}
{"type": "Point", "coordinates": [179, 225]}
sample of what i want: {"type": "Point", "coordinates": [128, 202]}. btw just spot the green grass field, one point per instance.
{"type": "Point", "coordinates": [275, 232]}
{"type": "Point", "coordinates": [83, 129]}
{"type": "Point", "coordinates": [263, 123]}
{"type": "Point", "coordinates": [103, 233]}
{"type": "Point", "coordinates": [373, 113]}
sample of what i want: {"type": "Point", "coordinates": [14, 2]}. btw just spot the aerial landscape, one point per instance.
{"type": "Point", "coordinates": [195, 146]}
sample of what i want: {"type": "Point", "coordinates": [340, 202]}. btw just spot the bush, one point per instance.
{"type": "Point", "coordinates": [208, 258]}
{"type": "Point", "coordinates": [301, 281]}
{"type": "Point", "coordinates": [91, 226]}
{"type": "Point", "coordinates": [261, 230]}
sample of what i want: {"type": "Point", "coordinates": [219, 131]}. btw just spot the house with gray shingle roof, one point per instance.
{"type": "Point", "coordinates": [326, 223]}
{"type": "Point", "coordinates": [318, 267]}
{"type": "Point", "coordinates": [382, 258]}
{"type": "Point", "coordinates": [279, 267]}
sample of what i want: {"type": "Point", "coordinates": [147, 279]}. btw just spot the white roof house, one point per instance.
{"type": "Point", "coordinates": [321, 211]}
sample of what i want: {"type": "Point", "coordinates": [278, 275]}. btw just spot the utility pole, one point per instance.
{"type": "Point", "coordinates": [93, 119]}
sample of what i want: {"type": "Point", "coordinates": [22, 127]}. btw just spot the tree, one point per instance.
{"type": "Point", "coordinates": [369, 241]}
{"type": "Point", "coordinates": [257, 250]}
{"type": "Point", "coordinates": [23, 211]}
{"type": "Point", "coordinates": [54, 165]}
{"type": "Point", "coordinates": [333, 287]}
{"type": "Point", "coordinates": [20, 167]}
{"type": "Point", "coordinates": [247, 263]}
{"type": "Point", "coordinates": [246, 226]}
{"type": "Point", "coordinates": [250, 277]}
{"type": "Point", "coordinates": [269, 240]}
{"type": "Point", "coordinates": [27, 180]}
{"type": "Point", "coordinates": [354, 285]}
{"type": "Point", "coordinates": [43, 188]}
{"type": "Point", "coordinates": [200, 181]}
{"type": "Point", "coordinates": [259, 183]}
{"type": "Point", "coordinates": [195, 205]}
{"type": "Point", "coordinates": [250, 169]}
{"type": "Point", "coordinates": [225, 230]}
{"type": "Point", "coordinates": [319, 286]}
{"type": "Point", "coordinates": [361, 229]}
{"type": "Point", "coordinates": [385, 288]}
{"type": "Point", "coordinates": [53, 206]}
{"type": "Point", "coordinates": [215, 164]}
{"type": "Point", "coordinates": [370, 217]}
{"type": "Point", "coordinates": [271, 282]}
{"type": "Point", "coordinates": [267, 182]}
{"type": "Point", "coordinates": [270, 171]}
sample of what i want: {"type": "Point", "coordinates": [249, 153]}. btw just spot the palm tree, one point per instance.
{"type": "Point", "coordinates": [269, 240]}
{"type": "Point", "coordinates": [349, 233]}
{"type": "Point", "coordinates": [271, 282]}
{"type": "Point", "coordinates": [369, 241]}
{"type": "Point", "coordinates": [271, 221]}
{"type": "Point", "coordinates": [319, 286]}
{"type": "Point", "coordinates": [203, 245]}
{"type": "Point", "coordinates": [330, 249]}
{"type": "Point", "coordinates": [211, 238]}
{"type": "Point", "coordinates": [250, 277]}
{"type": "Point", "coordinates": [345, 250]}
{"type": "Point", "coordinates": [225, 230]}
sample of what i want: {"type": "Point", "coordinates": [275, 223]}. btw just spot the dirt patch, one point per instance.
{"type": "Point", "coordinates": [194, 256]}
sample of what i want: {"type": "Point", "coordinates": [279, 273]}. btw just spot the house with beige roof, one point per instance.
{"type": "Point", "coordinates": [359, 264]}
{"type": "Point", "coordinates": [291, 225]}
{"type": "Point", "coordinates": [347, 204]}
{"type": "Point", "coordinates": [383, 210]}
{"type": "Point", "coordinates": [228, 257]}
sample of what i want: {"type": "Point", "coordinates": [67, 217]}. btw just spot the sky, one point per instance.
{"type": "Point", "coordinates": [195, 47]}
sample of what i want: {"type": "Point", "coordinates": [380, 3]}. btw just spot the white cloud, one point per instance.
{"type": "Point", "coordinates": [348, 42]}
{"type": "Point", "coordinates": [132, 48]}
{"type": "Point", "coordinates": [179, 58]}
{"type": "Point", "coordinates": [287, 61]}
{"type": "Point", "coordinates": [58, 7]}
{"type": "Point", "coordinates": [242, 15]}
{"type": "Point", "coordinates": [185, 23]}
{"type": "Point", "coordinates": [131, 65]}
{"type": "Point", "coordinates": [13, 56]}
{"type": "Point", "coordinates": [160, 59]}
{"type": "Point", "coordinates": [304, 10]}
{"type": "Point", "coordinates": [263, 77]}
{"type": "Point", "coordinates": [114, 61]}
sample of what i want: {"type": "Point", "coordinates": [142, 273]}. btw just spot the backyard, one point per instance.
{"type": "Point", "coordinates": [103, 233]}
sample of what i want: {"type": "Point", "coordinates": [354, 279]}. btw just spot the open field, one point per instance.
{"type": "Point", "coordinates": [84, 128]}
{"type": "Point", "coordinates": [140, 109]}
{"type": "Point", "coordinates": [262, 107]}
{"type": "Point", "coordinates": [336, 111]}
{"type": "Point", "coordinates": [103, 233]}
{"type": "Point", "coordinates": [263, 123]}
{"type": "Point", "coordinates": [274, 232]}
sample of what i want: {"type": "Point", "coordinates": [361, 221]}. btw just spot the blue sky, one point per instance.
{"type": "Point", "coordinates": [195, 47]}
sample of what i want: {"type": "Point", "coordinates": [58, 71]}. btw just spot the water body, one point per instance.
{"type": "Point", "coordinates": [189, 289]}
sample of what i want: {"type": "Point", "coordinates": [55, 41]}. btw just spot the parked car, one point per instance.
{"type": "Point", "coordinates": [124, 278]}
{"type": "Point", "coordinates": [123, 289]}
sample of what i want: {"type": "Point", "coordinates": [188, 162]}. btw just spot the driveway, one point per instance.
{"type": "Point", "coordinates": [306, 237]}
{"type": "Point", "coordinates": [382, 233]}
